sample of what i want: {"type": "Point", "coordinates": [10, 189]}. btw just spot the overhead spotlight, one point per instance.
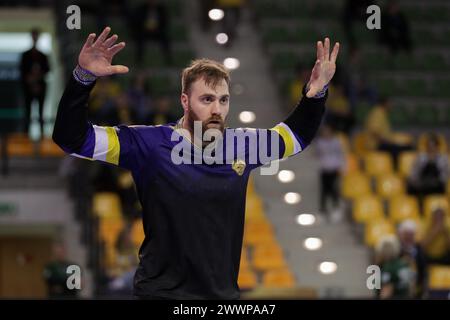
{"type": "Point", "coordinates": [327, 267]}
{"type": "Point", "coordinates": [231, 63]}
{"type": "Point", "coordinates": [247, 116]}
{"type": "Point", "coordinates": [312, 243]}
{"type": "Point", "coordinates": [306, 219]}
{"type": "Point", "coordinates": [221, 38]}
{"type": "Point", "coordinates": [292, 197]}
{"type": "Point", "coordinates": [286, 176]}
{"type": "Point", "coordinates": [216, 14]}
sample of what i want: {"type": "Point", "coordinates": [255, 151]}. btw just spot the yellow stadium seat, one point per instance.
{"type": "Point", "coordinates": [109, 230]}
{"type": "Point", "coordinates": [244, 264]}
{"type": "Point", "coordinates": [433, 202]}
{"type": "Point", "coordinates": [278, 278]}
{"type": "Point", "coordinates": [439, 278]}
{"type": "Point", "coordinates": [107, 205]}
{"type": "Point", "coordinates": [351, 163]}
{"type": "Point", "coordinates": [403, 207]}
{"type": "Point", "coordinates": [19, 144]}
{"type": "Point", "coordinates": [377, 163]}
{"type": "Point", "coordinates": [422, 142]}
{"type": "Point", "coordinates": [389, 185]}
{"type": "Point", "coordinates": [247, 279]}
{"type": "Point", "coordinates": [362, 143]}
{"type": "Point", "coordinates": [377, 229]}
{"type": "Point", "coordinates": [256, 238]}
{"type": "Point", "coordinates": [405, 162]}
{"type": "Point", "coordinates": [355, 184]}
{"type": "Point", "coordinates": [137, 232]}
{"type": "Point", "coordinates": [267, 257]}
{"type": "Point", "coordinates": [47, 148]}
{"type": "Point", "coordinates": [254, 208]}
{"type": "Point", "coordinates": [367, 208]}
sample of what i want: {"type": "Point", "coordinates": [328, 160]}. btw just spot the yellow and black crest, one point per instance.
{"type": "Point", "coordinates": [238, 166]}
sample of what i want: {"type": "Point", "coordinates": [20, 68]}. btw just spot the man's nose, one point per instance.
{"type": "Point", "coordinates": [216, 108]}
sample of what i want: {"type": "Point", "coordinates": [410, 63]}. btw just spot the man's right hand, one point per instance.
{"type": "Point", "coordinates": [96, 56]}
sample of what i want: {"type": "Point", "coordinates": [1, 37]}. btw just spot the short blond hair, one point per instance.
{"type": "Point", "coordinates": [212, 71]}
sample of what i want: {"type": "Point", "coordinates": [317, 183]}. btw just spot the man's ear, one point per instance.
{"type": "Point", "coordinates": [184, 101]}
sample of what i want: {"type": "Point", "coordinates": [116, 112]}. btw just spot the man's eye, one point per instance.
{"type": "Point", "coordinates": [224, 100]}
{"type": "Point", "coordinates": [207, 99]}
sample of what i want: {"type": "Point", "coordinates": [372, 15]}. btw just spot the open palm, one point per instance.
{"type": "Point", "coordinates": [324, 68]}
{"type": "Point", "coordinates": [97, 56]}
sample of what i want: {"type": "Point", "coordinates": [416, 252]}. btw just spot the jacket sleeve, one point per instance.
{"type": "Point", "coordinates": [76, 135]}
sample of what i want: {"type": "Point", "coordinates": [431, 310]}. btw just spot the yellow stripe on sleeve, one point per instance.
{"type": "Point", "coordinates": [287, 138]}
{"type": "Point", "coordinates": [112, 155]}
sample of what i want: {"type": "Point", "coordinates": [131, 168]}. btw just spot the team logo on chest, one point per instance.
{"type": "Point", "coordinates": [238, 166]}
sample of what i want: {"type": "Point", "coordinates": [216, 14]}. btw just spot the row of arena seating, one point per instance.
{"type": "Point", "coordinates": [378, 199]}
{"type": "Point", "coordinates": [418, 89]}
{"type": "Point", "coordinates": [20, 145]}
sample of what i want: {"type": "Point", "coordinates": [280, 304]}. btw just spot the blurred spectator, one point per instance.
{"type": "Point", "coordinates": [429, 173]}
{"type": "Point", "coordinates": [138, 96]}
{"type": "Point", "coordinates": [125, 112]}
{"type": "Point", "coordinates": [339, 114]}
{"type": "Point", "coordinates": [356, 81]}
{"type": "Point", "coordinates": [55, 275]}
{"type": "Point", "coordinates": [354, 11]}
{"type": "Point", "coordinates": [412, 251]}
{"type": "Point", "coordinates": [162, 113]}
{"type": "Point", "coordinates": [296, 86]}
{"type": "Point", "coordinates": [232, 10]}
{"type": "Point", "coordinates": [395, 33]}
{"type": "Point", "coordinates": [382, 137]}
{"type": "Point", "coordinates": [436, 240]}
{"type": "Point", "coordinates": [151, 22]}
{"type": "Point", "coordinates": [331, 158]}
{"type": "Point", "coordinates": [33, 68]}
{"type": "Point", "coordinates": [102, 100]}
{"type": "Point", "coordinates": [397, 277]}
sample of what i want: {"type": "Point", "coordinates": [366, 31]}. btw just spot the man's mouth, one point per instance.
{"type": "Point", "coordinates": [214, 122]}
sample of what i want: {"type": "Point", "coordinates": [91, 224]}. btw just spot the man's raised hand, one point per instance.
{"type": "Point", "coordinates": [324, 68]}
{"type": "Point", "coordinates": [96, 56]}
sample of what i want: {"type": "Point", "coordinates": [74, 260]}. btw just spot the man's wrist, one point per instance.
{"type": "Point", "coordinates": [321, 93]}
{"type": "Point", "coordinates": [84, 76]}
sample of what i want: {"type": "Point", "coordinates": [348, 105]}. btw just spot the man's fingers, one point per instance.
{"type": "Point", "coordinates": [116, 48]}
{"type": "Point", "coordinates": [319, 50]}
{"type": "Point", "coordinates": [89, 40]}
{"type": "Point", "coordinates": [326, 49]}
{"type": "Point", "coordinates": [102, 37]}
{"type": "Point", "coordinates": [110, 41]}
{"type": "Point", "coordinates": [117, 69]}
{"type": "Point", "coordinates": [334, 53]}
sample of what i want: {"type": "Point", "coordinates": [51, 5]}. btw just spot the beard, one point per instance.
{"type": "Point", "coordinates": [213, 122]}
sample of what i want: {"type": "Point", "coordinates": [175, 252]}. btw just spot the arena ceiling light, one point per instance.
{"type": "Point", "coordinates": [247, 117]}
{"type": "Point", "coordinates": [327, 267]}
{"type": "Point", "coordinates": [231, 63]}
{"type": "Point", "coordinates": [221, 38]}
{"type": "Point", "coordinates": [306, 219]}
{"type": "Point", "coordinates": [292, 197]}
{"type": "Point", "coordinates": [312, 243]}
{"type": "Point", "coordinates": [216, 14]}
{"type": "Point", "coordinates": [286, 176]}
